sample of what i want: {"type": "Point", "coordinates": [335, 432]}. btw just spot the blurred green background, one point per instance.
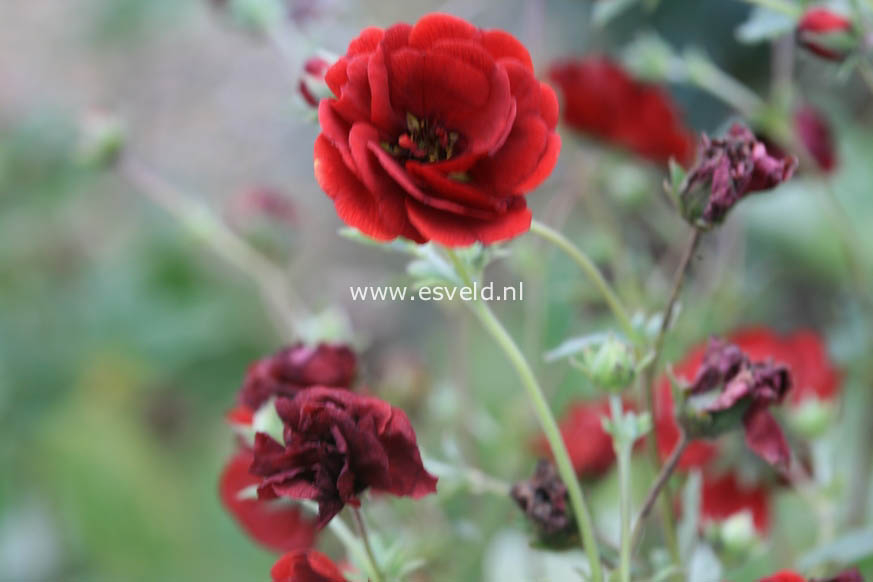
{"type": "Point", "coordinates": [124, 337]}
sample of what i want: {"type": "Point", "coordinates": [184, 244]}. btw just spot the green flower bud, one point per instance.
{"type": "Point", "coordinates": [811, 417]}
{"type": "Point", "coordinates": [610, 365]}
{"type": "Point", "coordinates": [737, 534]}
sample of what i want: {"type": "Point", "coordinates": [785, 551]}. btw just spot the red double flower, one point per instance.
{"type": "Point", "coordinates": [436, 133]}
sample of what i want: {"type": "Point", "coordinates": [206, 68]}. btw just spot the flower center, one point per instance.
{"type": "Point", "coordinates": [425, 140]}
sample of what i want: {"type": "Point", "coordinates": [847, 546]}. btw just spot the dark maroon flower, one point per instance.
{"type": "Point", "coordinates": [727, 170]}
{"type": "Point", "coordinates": [437, 132]}
{"type": "Point", "coordinates": [850, 575]}
{"type": "Point", "coordinates": [337, 444]}
{"type": "Point", "coordinates": [746, 392]}
{"type": "Point", "coordinates": [306, 566]}
{"type": "Point", "coordinates": [602, 100]}
{"type": "Point", "coordinates": [296, 368]}
{"type": "Point", "coordinates": [544, 500]}
{"type": "Point", "coordinates": [814, 132]}
{"type": "Point", "coordinates": [826, 34]}
{"type": "Point", "coordinates": [277, 525]}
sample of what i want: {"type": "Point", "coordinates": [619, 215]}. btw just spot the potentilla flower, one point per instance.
{"type": "Point", "coordinates": [601, 99]}
{"type": "Point", "coordinates": [277, 525]}
{"type": "Point", "coordinates": [436, 133]}
{"type": "Point", "coordinates": [544, 500]}
{"type": "Point", "coordinates": [826, 33]}
{"type": "Point", "coordinates": [725, 496]}
{"type": "Point", "coordinates": [589, 446]}
{"type": "Point", "coordinates": [306, 566]}
{"type": "Point", "coordinates": [337, 444]}
{"type": "Point", "coordinates": [727, 170]}
{"type": "Point", "coordinates": [814, 132]}
{"type": "Point", "coordinates": [745, 390]}
{"type": "Point", "coordinates": [851, 575]}
{"type": "Point", "coordinates": [295, 368]}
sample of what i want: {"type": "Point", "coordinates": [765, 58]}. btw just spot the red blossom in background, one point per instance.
{"type": "Point", "coordinates": [589, 446]}
{"type": "Point", "coordinates": [276, 525]}
{"type": "Point", "coordinates": [306, 566]}
{"type": "Point", "coordinates": [724, 496]}
{"type": "Point", "coordinates": [296, 368]}
{"type": "Point", "coordinates": [851, 575]}
{"type": "Point", "coordinates": [601, 99]}
{"type": "Point", "coordinates": [436, 133]}
{"type": "Point", "coordinates": [312, 80]}
{"type": "Point", "coordinates": [817, 30]}
{"type": "Point", "coordinates": [337, 444]}
{"type": "Point", "coordinates": [814, 132]}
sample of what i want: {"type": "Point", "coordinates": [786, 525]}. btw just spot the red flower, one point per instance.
{"type": "Point", "coordinates": [784, 576]}
{"type": "Point", "coordinates": [724, 496]}
{"type": "Point", "coordinates": [825, 33]}
{"type": "Point", "coordinates": [815, 134]}
{"type": "Point", "coordinates": [276, 525]}
{"type": "Point", "coordinates": [728, 170]}
{"type": "Point", "coordinates": [851, 575]}
{"type": "Point", "coordinates": [312, 83]}
{"type": "Point", "coordinates": [589, 446]}
{"type": "Point", "coordinates": [337, 444]}
{"type": "Point", "coordinates": [306, 566]}
{"type": "Point", "coordinates": [601, 99]}
{"type": "Point", "coordinates": [436, 132]}
{"type": "Point", "coordinates": [295, 368]}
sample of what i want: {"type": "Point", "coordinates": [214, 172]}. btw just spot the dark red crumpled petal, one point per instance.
{"type": "Point", "coordinates": [295, 368]}
{"type": "Point", "coordinates": [306, 566]}
{"type": "Point", "coordinates": [814, 132]}
{"type": "Point", "coordinates": [277, 525]}
{"type": "Point", "coordinates": [337, 444]}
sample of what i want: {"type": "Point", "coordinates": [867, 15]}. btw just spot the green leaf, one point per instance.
{"type": "Point", "coordinates": [847, 549]}
{"type": "Point", "coordinates": [763, 25]}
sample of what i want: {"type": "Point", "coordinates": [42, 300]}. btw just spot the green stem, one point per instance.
{"type": "Point", "coordinates": [703, 73]}
{"type": "Point", "coordinates": [623, 455]}
{"type": "Point", "coordinates": [547, 421]}
{"type": "Point", "coordinates": [372, 563]}
{"type": "Point", "coordinates": [590, 269]}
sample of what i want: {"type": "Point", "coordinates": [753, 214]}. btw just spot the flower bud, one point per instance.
{"type": "Point", "coordinates": [312, 87]}
{"type": "Point", "coordinates": [814, 132]}
{"type": "Point", "coordinates": [546, 503]}
{"type": "Point", "coordinates": [811, 417]}
{"type": "Point", "coordinates": [610, 365]}
{"type": "Point", "coordinates": [827, 34]}
{"type": "Point", "coordinates": [737, 533]}
{"type": "Point", "coordinates": [101, 139]}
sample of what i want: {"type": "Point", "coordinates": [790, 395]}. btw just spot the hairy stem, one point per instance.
{"type": "Point", "coordinates": [658, 485]}
{"type": "Point", "coordinates": [546, 419]}
{"type": "Point", "coordinates": [276, 293]}
{"type": "Point", "coordinates": [623, 449]}
{"type": "Point", "coordinates": [590, 269]}
{"type": "Point", "coordinates": [372, 564]}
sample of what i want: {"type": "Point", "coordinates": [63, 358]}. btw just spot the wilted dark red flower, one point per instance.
{"type": "Point", "coordinates": [589, 446]}
{"type": "Point", "coordinates": [602, 100]}
{"type": "Point", "coordinates": [813, 375]}
{"type": "Point", "coordinates": [825, 33]}
{"type": "Point", "coordinates": [746, 390]}
{"type": "Point", "coordinates": [277, 525]}
{"type": "Point", "coordinates": [436, 132]}
{"type": "Point", "coordinates": [296, 368]}
{"type": "Point", "coordinates": [814, 132]}
{"type": "Point", "coordinates": [727, 170]}
{"type": "Point", "coordinates": [545, 501]}
{"type": "Point", "coordinates": [306, 566]}
{"type": "Point", "coordinates": [337, 444]}
{"type": "Point", "coordinates": [724, 496]}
